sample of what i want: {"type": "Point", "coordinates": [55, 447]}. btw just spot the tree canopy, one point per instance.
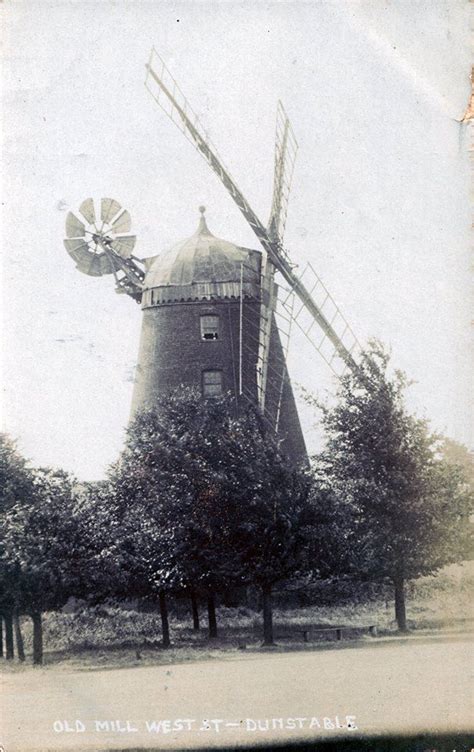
{"type": "Point", "coordinates": [406, 507]}
{"type": "Point", "coordinates": [206, 499]}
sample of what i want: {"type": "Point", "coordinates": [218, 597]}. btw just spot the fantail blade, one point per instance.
{"type": "Point", "coordinates": [123, 245]}
{"type": "Point", "coordinates": [87, 210]}
{"type": "Point", "coordinates": [74, 227]}
{"type": "Point", "coordinates": [108, 209]}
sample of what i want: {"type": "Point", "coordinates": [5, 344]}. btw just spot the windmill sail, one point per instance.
{"type": "Point", "coordinates": [286, 148]}
{"type": "Point", "coordinates": [169, 96]}
{"type": "Point", "coordinates": [305, 322]}
{"type": "Point", "coordinates": [285, 156]}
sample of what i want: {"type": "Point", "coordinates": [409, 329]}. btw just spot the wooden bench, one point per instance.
{"type": "Point", "coordinates": [372, 628]}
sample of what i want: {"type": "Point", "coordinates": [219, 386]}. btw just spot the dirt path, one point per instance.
{"type": "Point", "coordinates": [410, 686]}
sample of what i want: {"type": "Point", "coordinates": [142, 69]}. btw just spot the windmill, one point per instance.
{"type": "Point", "coordinates": [213, 314]}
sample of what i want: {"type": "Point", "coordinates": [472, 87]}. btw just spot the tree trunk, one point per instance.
{"type": "Point", "coordinates": [267, 615]}
{"type": "Point", "coordinates": [20, 649]}
{"type": "Point", "coordinates": [211, 614]}
{"type": "Point", "coordinates": [10, 651]}
{"type": "Point", "coordinates": [37, 638]}
{"type": "Point", "coordinates": [400, 612]}
{"type": "Point", "coordinates": [165, 626]}
{"type": "Point", "coordinates": [195, 609]}
{"type": "Point", "coordinates": [1, 635]}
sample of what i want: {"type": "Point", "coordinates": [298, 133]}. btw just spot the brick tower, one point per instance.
{"type": "Point", "coordinates": [201, 318]}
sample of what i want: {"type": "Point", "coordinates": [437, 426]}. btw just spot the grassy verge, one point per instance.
{"type": "Point", "coordinates": [114, 636]}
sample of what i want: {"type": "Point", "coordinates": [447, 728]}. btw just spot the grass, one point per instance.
{"type": "Point", "coordinates": [113, 636]}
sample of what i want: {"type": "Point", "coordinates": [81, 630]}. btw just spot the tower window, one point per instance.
{"type": "Point", "coordinates": [209, 327]}
{"type": "Point", "coordinates": [212, 383]}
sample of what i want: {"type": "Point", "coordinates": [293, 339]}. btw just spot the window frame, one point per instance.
{"type": "Point", "coordinates": [204, 385]}
{"type": "Point", "coordinates": [202, 327]}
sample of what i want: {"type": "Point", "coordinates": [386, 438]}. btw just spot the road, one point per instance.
{"type": "Point", "coordinates": [385, 687]}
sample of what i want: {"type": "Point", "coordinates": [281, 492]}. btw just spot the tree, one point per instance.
{"type": "Point", "coordinates": [207, 501]}
{"type": "Point", "coordinates": [265, 531]}
{"type": "Point", "coordinates": [41, 541]}
{"type": "Point", "coordinates": [101, 567]}
{"type": "Point", "coordinates": [406, 507]}
{"type": "Point", "coordinates": [162, 488]}
{"type": "Point", "coordinates": [455, 453]}
{"type": "Point", "coordinates": [148, 491]}
{"type": "Point", "coordinates": [16, 486]}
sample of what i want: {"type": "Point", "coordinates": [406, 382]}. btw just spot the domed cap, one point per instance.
{"type": "Point", "coordinates": [203, 266]}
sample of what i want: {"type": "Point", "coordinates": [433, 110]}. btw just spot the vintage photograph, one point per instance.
{"type": "Point", "coordinates": [237, 441]}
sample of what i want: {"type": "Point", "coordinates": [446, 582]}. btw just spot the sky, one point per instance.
{"type": "Point", "coordinates": [380, 201]}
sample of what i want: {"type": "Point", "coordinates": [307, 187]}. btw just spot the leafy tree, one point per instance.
{"type": "Point", "coordinates": [148, 490]}
{"type": "Point", "coordinates": [16, 485]}
{"type": "Point", "coordinates": [16, 477]}
{"type": "Point", "coordinates": [101, 567]}
{"type": "Point", "coordinates": [207, 501]}
{"type": "Point", "coordinates": [266, 529]}
{"type": "Point", "coordinates": [163, 489]}
{"type": "Point", "coordinates": [455, 453]}
{"type": "Point", "coordinates": [41, 540]}
{"type": "Point", "coordinates": [406, 508]}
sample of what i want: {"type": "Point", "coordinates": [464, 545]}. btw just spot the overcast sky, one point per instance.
{"type": "Point", "coordinates": [380, 203]}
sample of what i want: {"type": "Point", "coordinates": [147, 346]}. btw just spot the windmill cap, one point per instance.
{"type": "Point", "coordinates": [202, 258]}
